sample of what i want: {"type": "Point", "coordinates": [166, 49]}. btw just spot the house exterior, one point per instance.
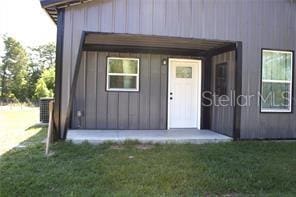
{"type": "Point", "coordinates": [224, 65]}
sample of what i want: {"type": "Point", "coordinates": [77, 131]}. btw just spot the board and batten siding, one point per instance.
{"type": "Point", "coordinates": [257, 24]}
{"type": "Point", "coordinates": [223, 116]}
{"type": "Point", "coordinates": [103, 109]}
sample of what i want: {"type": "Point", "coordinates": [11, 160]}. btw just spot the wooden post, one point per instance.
{"type": "Point", "coordinates": [49, 138]}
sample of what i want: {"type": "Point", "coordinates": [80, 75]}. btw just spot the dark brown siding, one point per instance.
{"type": "Point", "coordinates": [58, 72]}
{"type": "Point", "coordinates": [223, 116]}
{"type": "Point", "coordinates": [103, 109]}
{"type": "Point", "coordinates": [257, 24]}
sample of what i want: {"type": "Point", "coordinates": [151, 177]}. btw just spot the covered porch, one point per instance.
{"type": "Point", "coordinates": [95, 114]}
{"type": "Point", "coordinates": [193, 136]}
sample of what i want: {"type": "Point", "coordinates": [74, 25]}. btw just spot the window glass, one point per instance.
{"type": "Point", "coordinates": [276, 85]}
{"type": "Point", "coordinates": [277, 66]}
{"type": "Point", "coordinates": [123, 66]}
{"type": "Point", "coordinates": [129, 82]}
{"type": "Point", "coordinates": [276, 95]}
{"type": "Point", "coordinates": [183, 72]}
{"type": "Point", "coordinates": [122, 74]}
{"type": "Point", "coordinates": [221, 79]}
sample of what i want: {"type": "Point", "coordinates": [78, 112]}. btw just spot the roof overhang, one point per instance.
{"type": "Point", "coordinates": [135, 43]}
{"type": "Point", "coordinates": [52, 6]}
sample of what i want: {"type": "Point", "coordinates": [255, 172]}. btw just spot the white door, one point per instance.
{"type": "Point", "coordinates": [184, 93]}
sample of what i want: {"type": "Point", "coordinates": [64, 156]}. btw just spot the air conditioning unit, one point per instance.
{"type": "Point", "coordinates": [44, 112]}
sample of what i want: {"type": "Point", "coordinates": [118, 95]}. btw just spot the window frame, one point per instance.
{"type": "Point", "coordinates": [137, 75]}
{"type": "Point", "coordinates": [290, 82]}
{"type": "Point", "coordinates": [225, 78]}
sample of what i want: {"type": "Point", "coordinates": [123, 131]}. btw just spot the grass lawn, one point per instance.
{"type": "Point", "coordinates": [14, 121]}
{"type": "Point", "coordinates": [258, 168]}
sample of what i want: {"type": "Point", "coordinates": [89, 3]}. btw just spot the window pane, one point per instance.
{"type": "Point", "coordinates": [123, 66]}
{"type": "Point", "coordinates": [129, 82]}
{"type": "Point", "coordinates": [184, 72]}
{"type": "Point", "coordinates": [221, 79]}
{"type": "Point", "coordinates": [276, 65]}
{"type": "Point", "coordinates": [275, 95]}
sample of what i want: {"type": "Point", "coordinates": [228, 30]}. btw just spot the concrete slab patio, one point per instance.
{"type": "Point", "coordinates": [193, 136]}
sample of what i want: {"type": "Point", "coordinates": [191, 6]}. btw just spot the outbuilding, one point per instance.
{"type": "Point", "coordinates": [225, 66]}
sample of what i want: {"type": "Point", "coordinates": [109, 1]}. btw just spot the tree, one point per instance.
{"type": "Point", "coordinates": [41, 89]}
{"type": "Point", "coordinates": [19, 75]}
{"type": "Point", "coordinates": [41, 57]}
{"type": "Point", "coordinates": [48, 75]}
{"type": "Point", "coordinates": [33, 76]}
{"type": "Point", "coordinates": [14, 70]}
{"type": "Point", "coordinates": [45, 84]}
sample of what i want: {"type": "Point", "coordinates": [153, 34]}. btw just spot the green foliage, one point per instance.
{"type": "Point", "coordinates": [14, 70]}
{"type": "Point", "coordinates": [45, 84]}
{"type": "Point", "coordinates": [43, 56]}
{"type": "Point", "coordinates": [32, 82]}
{"type": "Point", "coordinates": [20, 72]}
{"type": "Point", "coordinates": [41, 89]}
{"type": "Point", "coordinates": [49, 77]}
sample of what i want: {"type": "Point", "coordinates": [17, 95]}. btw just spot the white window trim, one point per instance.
{"type": "Point", "coordinates": [123, 74]}
{"type": "Point", "coordinates": [279, 81]}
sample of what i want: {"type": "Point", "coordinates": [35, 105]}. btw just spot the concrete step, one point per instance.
{"type": "Point", "coordinates": [177, 136]}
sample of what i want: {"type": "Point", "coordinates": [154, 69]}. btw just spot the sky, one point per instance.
{"type": "Point", "coordinates": [27, 22]}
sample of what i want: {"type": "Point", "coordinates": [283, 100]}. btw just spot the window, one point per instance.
{"type": "Point", "coordinates": [221, 79]}
{"type": "Point", "coordinates": [183, 72]}
{"type": "Point", "coordinates": [276, 85]}
{"type": "Point", "coordinates": [122, 74]}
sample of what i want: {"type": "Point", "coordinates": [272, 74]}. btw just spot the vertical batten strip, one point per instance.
{"type": "Point", "coordinates": [73, 85]}
{"type": "Point", "coordinates": [58, 73]}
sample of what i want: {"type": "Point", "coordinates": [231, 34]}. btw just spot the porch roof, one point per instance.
{"type": "Point", "coordinates": [134, 43]}
{"type": "Point", "coordinates": [95, 41]}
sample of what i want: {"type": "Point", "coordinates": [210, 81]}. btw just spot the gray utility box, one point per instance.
{"type": "Point", "coordinates": [44, 112]}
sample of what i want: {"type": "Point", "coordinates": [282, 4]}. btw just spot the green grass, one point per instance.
{"type": "Point", "coordinates": [244, 168]}
{"type": "Point", "coordinates": [14, 121]}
